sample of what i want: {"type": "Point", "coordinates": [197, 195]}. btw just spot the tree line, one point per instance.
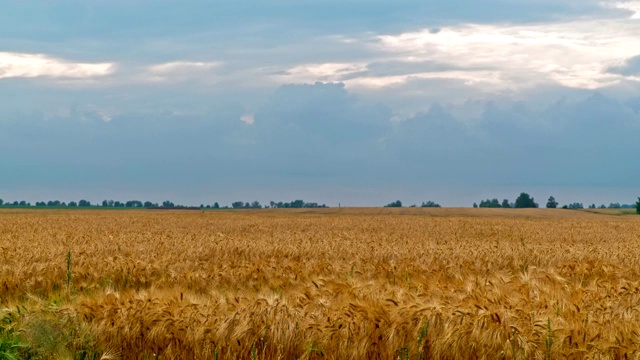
{"type": "Point", "coordinates": [428, 204]}
{"type": "Point", "coordinates": [164, 205]}
{"type": "Point", "coordinates": [526, 201]}
{"type": "Point", "coordinates": [296, 204]}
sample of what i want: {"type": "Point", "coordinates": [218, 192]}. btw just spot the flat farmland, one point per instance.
{"type": "Point", "coordinates": [319, 284]}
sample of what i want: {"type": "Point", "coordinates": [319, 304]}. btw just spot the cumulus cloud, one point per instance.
{"type": "Point", "coordinates": [572, 54]}
{"type": "Point", "coordinates": [496, 60]}
{"type": "Point", "coordinates": [17, 65]}
{"type": "Point", "coordinates": [492, 57]}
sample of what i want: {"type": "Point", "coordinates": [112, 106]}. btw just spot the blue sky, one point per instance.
{"type": "Point", "coordinates": [357, 102]}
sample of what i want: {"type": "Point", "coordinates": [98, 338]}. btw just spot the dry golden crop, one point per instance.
{"type": "Point", "coordinates": [331, 283]}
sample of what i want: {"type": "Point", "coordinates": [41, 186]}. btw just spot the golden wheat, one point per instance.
{"type": "Point", "coordinates": [334, 284]}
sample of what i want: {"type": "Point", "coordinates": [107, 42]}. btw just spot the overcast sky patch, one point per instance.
{"type": "Point", "coordinates": [326, 97]}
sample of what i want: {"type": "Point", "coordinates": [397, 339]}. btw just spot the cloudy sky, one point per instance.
{"type": "Point", "coordinates": [352, 101]}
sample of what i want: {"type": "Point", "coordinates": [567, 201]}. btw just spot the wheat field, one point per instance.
{"type": "Point", "coordinates": [319, 284]}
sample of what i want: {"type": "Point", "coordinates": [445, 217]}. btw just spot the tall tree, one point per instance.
{"type": "Point", "coordinates": [552, 203]}
{"type": "Point", "coordinates": [638, 206]}
{"type": "Point", "coordinates": [525, 201]}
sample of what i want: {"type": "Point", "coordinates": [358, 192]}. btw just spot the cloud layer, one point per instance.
{"type": "Point", "coordinates": [319, 136]}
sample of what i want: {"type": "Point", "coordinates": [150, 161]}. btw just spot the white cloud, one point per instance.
{"type": "Point", "coordinates": [179, 66]}
{"type": "Point", "coordinates": [632, 6]}
{"type": "Point", "coordinates": [321, 72]}
{"type": "Point", "coordinates": [14, 65]}
{"type": "Point", "coordinates": [573, 54]}
{"type": "Point", "coordinates": [181, 70]}
{"type": "Point", "coordinates": [493, 58]}
{"type": "Point", "coordinates": [248, 119]}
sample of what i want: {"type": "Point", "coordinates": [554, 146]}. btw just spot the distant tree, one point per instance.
{"type": "Point", "coordinates": [525, 201]}
{"type": "Point", "coordinates": [602, 207]}
{"type": "Point", "coordinates": [396, 203]}
{"type": "Point", "coordinates": [615, 206]}
{"type": "Point", "coordinates": [430, 204]}
{"type": "Point", "coordinates": [256, 205]}
{"type": "Point", "coordinates": [216, 206]}
{"type": "Point", "coordinates": [84, 203]}
{"type": "Point", "coordinates": [475, 205]}
{"type": "Point", "coordinates": [638, 206]}
{"type": "Point", "coordinates": [592, 206]}
{"type": "Point", "coordinates": [134, 204]}
{"type": "Point", "coordinates": [552, 203]}
{"type": "Point", "coordinates": [148, 204]}
{"type": "Point", "coordinates": [168, 203]}
{"type": "Point", "coordinates": [493, 203]}
{"type": "Point", "coordinates": [505, 203]}
{"type": "Point", "coordinates": [23, 203]}
{"type": "Point", "coordinates": [1, 202]}
{"type": "Point", "coordinates": [237, 204]}
{"type": "Point", "coordinates": [576, 206]}
{"type": "Point", "coordinates": [72, 204]}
